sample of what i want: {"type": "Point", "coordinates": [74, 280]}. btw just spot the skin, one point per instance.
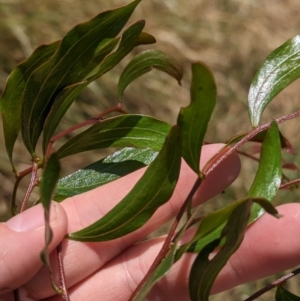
{"type": "Point", "coordinates": [111, 270]}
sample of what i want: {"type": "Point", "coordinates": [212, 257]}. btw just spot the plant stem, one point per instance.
{"type": "Point", "coordinates": [209, 167]}
{"type": "Point", "coordinates": [273, 284]}
{"type": "Point", "coordinates": [166, 245]}
{"type": "Point", "coordinates": [35, 167]}
{"type": "Point", "coordinates": [248, 156]}
{"type": "Point", "coordinates": [117, 108]}
{"type": "Point", "coordinates": [290, 183]}
{"type": "Point", "coordinates": [19, 177]}
{"type": "Point", "coordinates": [62, 276]}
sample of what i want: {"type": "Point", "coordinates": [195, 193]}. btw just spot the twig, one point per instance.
{"type": "Point", "coordinates": [19, 177]}
{"type": "Point", "coordinates": [290, 183]}
{"type": "Point", "coordinates": [35, 167]}
{"type": "Point", "coordinates": [257, 160]}
{"type": "Point", "coordinates": [117, 108]}
{"type": "Point", "coordinates": [248, 156]}
{"type": "Point", "coordinates": [166, 245]}
{"type": "Point", "coordinates": [273, 284]}
{"type": "Point", "coordinates": [208, 169]}
{"type": "Point", "coordinates": [62, 276]}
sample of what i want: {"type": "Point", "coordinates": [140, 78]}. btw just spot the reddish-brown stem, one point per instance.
{"type": "Point", "coordinates": [248, 156]}
{"type": "Point", "coordinates": [117, 108]}
{"type": "Point", "coordinates": [19, 177]}
{"type": "Point", "coordinates": [257, 160]}
{"type": "Point", "coordinates": [32, 183]}
{"type": "Point", "coordinates": [208, 169]}
{"type": "Point", "coordinates": [24, 173]}
{"type": "Point", "coordinates": [166, 245]}
{"type": "Point", "coordinates": [273, 284]}
{"type": "Point", "coordinates": [62, 276]}
{"type": "Point", "coordinates": [290, 183]}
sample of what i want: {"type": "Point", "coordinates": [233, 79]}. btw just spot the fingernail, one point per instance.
{"type": "Point", "coordinates": [31, 219]}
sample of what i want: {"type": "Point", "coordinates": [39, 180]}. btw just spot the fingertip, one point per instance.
{"type": "Point", "coordinates": [22, 239]}
{"type": "Point", "coordinates": [60, 220]}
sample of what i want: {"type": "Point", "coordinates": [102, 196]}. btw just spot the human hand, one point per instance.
{"type": "Point", "coordinates": [111, 270]}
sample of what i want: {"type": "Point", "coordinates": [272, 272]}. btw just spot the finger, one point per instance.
{"type": "Point", "coordinates": [84, 209]}
{"type": "Point", "coordinates": [278, 249]}
{"type": "Point", "coordinates": [271, 246]}
{"type": "Point", "coordinates": [22, 239]}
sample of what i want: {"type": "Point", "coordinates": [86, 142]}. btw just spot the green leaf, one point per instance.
{"type": "Point", "coordinates": [209, 229]}
{"type": "Point", "coordinates": [280, 69]}
{"type": "Point", "coordinates": [49, 180]}
{"type": "Point", "coordinates": [193, 120]}
{"type": "Point", "coordinates": [265, 186]}
{"type": "Point", "coordinates": [11, 100]}
{"type": "Point", "coordinates": [66, 97]}
{"type": "Point", "coordinates": [284, 295]}
{"type": "Point", "coordinates": [145, 62]}
{"type": "Point", "coordinates": [145, 39]}
{"type": "Point", "coordinates": [268, 177]}
{"type": "Point", "coordinates": [122, 131]}
{"type": "Point", "coordinates": [48, 184]}
{"type": "Point", "coordinates": [75, 51]}
{"type": "Point", "coordinates": [211, 226]}
{"type": "Point", "coordinates": [111, 168]}
{"type": "Point", "coordinates": [131, 37]}
{"type": "Point", "coordinates": [154, 189]}
{"type": "Point", "coordinates": [205, 271]}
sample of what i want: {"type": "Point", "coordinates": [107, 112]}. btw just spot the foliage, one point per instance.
{"type": "Point", "coordinates": [42, 88]}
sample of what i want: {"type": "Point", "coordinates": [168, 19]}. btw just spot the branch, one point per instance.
{"type": "Point", "coordinates": [273, 284]}
{"type": "Point", "coordinates": [166, 245]}
{"type": "Point", "coordinates": [117, 108]}
{"type": "Point", "coordinates": [35, 167]}
{"type": "Point", "coordinates": [19, 177]}
{"type": "Point", "coordinates": [290, 183]}
{"type": "Point", "coordinates": [65, 294]}
{"type": "Point", "coordinates": [224, 153]}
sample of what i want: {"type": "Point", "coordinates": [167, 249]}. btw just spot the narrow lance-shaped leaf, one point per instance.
{"type": "Point", "coordinates": [154, 189]}
{"type": "Point", "coordinates": [111, 168]}
{"type": "Point", "coordinates": [283, 294]}
{"type": "Point", "coordinates": [205, 271]}
{"type": "Point", "coordinates": [132, 37]}
{"type": "Point", "coordinates": [280, 69]}
{"type": "Point", "coordinates": [48, 184]}
{"type": "Point", "coordinates": [121, 131]}
{"type": "Point", "coordinates": [76, 50]}
{"type": "Point", "coordinates": [65, 98]}
{"type": "Point", "coordinates": [211, 226]}
{"type": "Point", "coordinates": [209, 229]}
{"type": "Point", "coordinates": [11, 100]}
{"type": "Point", "coordinates": [268, 177]}
{"type": "Point", "coordinates": [193, 120]}
{"type": "Point", "coordinates": [145, 62]}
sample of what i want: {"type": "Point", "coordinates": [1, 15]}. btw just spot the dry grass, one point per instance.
{"type": "Point", "coordinates": [232, 37]}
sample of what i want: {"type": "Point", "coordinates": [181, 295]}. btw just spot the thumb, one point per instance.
{"type": "Point", "coordinates": [22, 238]}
